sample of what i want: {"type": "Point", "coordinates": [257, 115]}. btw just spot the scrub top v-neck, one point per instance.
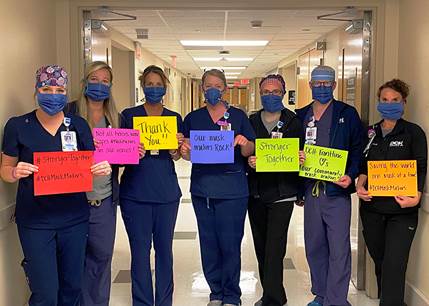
{"type": "Point", "coordinates": [220, 181]}
{"type": "Point", "coordinates": [154, 179]}
{"type": "Point", "coordinates": [25, 135]}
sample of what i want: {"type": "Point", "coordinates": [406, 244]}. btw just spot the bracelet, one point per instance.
{"type": "Point", "coordinates": [14, 173]}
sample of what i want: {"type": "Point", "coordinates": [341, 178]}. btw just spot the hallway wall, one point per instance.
{"type": "Point", "coordinates": [413, 68]}
{"type": "Point", "coordinates": [28, 39]}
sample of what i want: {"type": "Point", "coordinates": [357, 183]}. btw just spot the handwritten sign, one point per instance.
{"type": "Point", "coordinates": [117, 146]}
{"type": "Point", "coordinates": [212, 147]}
{"type": "Point", "coordinates": [392, 178]}
{"type": "Point", "coordinates": [324, 164]}
{"type": "Point", "coordinates": [157, 132]}
{"type": "Point", "coordinates": [277, 155]}
{"type": "Point", "coordinates": [62, 172]}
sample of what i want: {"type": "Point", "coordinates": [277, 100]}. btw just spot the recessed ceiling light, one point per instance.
{"type": "Point", "coordinates": [221, 43]}
{"type": "Point", "coordinates": [229, 59]}
{"type": "Point", "coordinates": [239, 59]}
{"type": "Point", "coordinates": [225, 68]}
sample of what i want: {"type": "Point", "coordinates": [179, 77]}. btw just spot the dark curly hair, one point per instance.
{"type": "Point", "coordinates": [398, 86]}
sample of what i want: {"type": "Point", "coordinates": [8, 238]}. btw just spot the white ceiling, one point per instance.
{"type": "Point", "coordinates": [282, 28]}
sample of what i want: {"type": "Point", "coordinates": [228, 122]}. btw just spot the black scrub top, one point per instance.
{"type": "Point", "coordinates": [220, 181]}
{"type": "Point", "coordinates": [25, 135]}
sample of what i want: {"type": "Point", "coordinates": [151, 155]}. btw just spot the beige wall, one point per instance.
{"type": "Point", "coordinates": [123, 69]}
{"type": "Point", "coordinates": [413, 68]}
{"type": "Point", "coordinates": [28, 39]}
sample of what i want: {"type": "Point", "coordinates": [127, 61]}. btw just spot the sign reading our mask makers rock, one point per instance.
{"type": "Point", "coordinates": [390, 178]}
{"type": "Point", "coordinates": [157, 132]}
{"type": "Point", "coordinates": [277, 155]}
{"type": "Point", "coordinates": [117, 146]}
{"type": "Point", "coordinates": [324, 164]}
{"type": "Point", "coordinates": [212, 147]}
{"type": "Point", "coordinates": [62, 172]}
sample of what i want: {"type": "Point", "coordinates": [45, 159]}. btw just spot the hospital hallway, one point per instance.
{"type": "Point", "coordinates": [190, 287]}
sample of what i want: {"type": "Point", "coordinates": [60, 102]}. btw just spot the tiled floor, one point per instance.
{"type": "Point", "coordinates": [190, 286]}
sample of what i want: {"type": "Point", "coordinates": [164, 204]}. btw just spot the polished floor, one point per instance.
{"type": "Point", "coordinates": [190, 286]}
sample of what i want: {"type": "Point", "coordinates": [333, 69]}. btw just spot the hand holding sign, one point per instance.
{"type": "Point", "coordinates": [157, 132]}
{"type": "Point", "coordinates": [212, 147]}
{"type": "Point", "coordinates": [277, 155]}
{"type": "Point", "coordinates": [117, 146]}
{"type": "Point", "coordinates": [324, 164]}
{"type": "Point", "coordinates": [62, 172]}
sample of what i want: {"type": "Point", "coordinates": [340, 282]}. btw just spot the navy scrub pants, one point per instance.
{"type": "Point", "coordinates": [327, 245]}
{"type": "Point", "coordinates": [99, 252]}
{"type": "Point", "coordinates": [53, 263]}
{"type": "Point", "coordinates": [147, 222]}
{"type": "Point", "coordinates": [221, 229]}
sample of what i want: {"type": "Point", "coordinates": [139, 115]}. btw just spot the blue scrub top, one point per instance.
{"type": "Point", "coordinates": [220, 181]}
{"type": "Point", "coordinates": [25, 135]}
{"type": "Point", "coordinates": [154, 179]}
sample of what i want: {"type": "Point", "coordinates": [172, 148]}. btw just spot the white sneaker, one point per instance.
{"type": "Point", "coordinates": [215, 303]}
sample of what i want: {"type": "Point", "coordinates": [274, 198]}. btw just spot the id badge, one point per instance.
{"type": "Point", "coordinates": [276, 135]}
{"type": "Point", "coordinates": [68, 141]}
{"type": "Point", "coordinates": [226, 127]}
{"type": "Point", "coordinates": [154, 152]}
{"type": "Point", "coordinates": [311, 134]}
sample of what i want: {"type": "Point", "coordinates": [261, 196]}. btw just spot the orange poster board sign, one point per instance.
{"type": "Point", "coordinates": [392, 178]}
{"type": "Point", "coordinates": [62, 172]}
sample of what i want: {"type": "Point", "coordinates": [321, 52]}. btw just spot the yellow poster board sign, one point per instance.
{"type": "Point", "coordinates": [277, 155]}
{"type": "Point", "coordinates": [392, 178]}
{"type": "Point", "coordinates": [323, 164]}
{"type": "Point", "coordinates": [157, 132]}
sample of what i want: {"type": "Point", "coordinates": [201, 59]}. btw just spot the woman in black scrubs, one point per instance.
{"type": "Point", "coordinates": [390, 223]}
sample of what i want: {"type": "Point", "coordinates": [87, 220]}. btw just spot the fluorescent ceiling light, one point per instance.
{"type": "Point", "coordinates": [231, 77]}
{"type": "Point", "coordinates": [225, 68]}
{"type": "Point", "coordinates": [207, 59]}
{"type": "Point", "coordinates": [221, 43]}
{"type": "Point", "coordinates": [239, 59]}
{"type": "Point", "coordinates": [232, 73]}
{"type": "Point", "coordinates": [229, 59]}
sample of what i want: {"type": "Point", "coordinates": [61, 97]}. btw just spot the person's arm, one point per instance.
{"type": "Point", "coordinates": [246, 139]}
{"type": "Point", "coordinates": [11, 170]}
{"type": "Point", "coordinates": [361, 191]}
{"type": "Point", "coordinates": [185, 148]}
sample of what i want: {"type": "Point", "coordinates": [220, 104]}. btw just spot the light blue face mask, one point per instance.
{"type": "Point", "coordinates": [391, 111]}
{"type": "Point", "coordinates": [51, 104]}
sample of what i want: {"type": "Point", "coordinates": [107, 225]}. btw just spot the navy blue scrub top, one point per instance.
{"type": "Point", "coordinates": [154, 179]}
{"type": "Point", "coordinates": [25, 135]}
{"type": "Point", "coordinates": [220, 181]}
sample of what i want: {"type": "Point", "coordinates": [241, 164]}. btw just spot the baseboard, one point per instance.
{"type": "Point", "coordinates": [6, 216]}
{"type": "Point", "coordinates": [414, 297]}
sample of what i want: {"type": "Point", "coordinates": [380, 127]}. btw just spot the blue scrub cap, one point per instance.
{"type": "Point", "coordinates": [323, 73]}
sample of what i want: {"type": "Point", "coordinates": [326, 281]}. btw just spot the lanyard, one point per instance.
{"type": "Point", "coordinates": [67, 122]}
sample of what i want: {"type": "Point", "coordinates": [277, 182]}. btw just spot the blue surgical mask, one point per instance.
{"type": "Point", "coordinates": [97, 91]}
{"type": "Point", "coordinates": [272, 103]}
{"type": "Point", "coordinates": [51, 104]}
{"type": "Point", "coordinates": [323, 94]}
{"type": "Point", "coordinates": [391, 111]}
{"type": "Point", "coordinates": [213, 95]}
{"type": "Point", "coordinates": [154, 94]}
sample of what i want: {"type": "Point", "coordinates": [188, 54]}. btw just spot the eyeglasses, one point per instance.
{"type": "Point", "coordinates": [276, 92]}
{"type": "Point", "coordinates": [320, 83]}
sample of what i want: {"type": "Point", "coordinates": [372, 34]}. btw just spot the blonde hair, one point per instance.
{"type": "Point", "coordinates": [216, 73]}
{"type": "Point", "coordinates": [109, 106]}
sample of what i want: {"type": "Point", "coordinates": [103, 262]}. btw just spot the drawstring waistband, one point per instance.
{"type": "Point", "coordinates": [315, 192]}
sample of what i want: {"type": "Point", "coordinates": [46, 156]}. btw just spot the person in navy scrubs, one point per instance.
{"type": "Point", "coordinates": [149, 200]}
{"type": "Point", "coordinates": [52, 228]}
{"type": "Point", "coordinates": [220, 192]}
{"type": "Point", "coordinates": [272, 194]}
{"type": "Point", "coordinates": [97, 106]}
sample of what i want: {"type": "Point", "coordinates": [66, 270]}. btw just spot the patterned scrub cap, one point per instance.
{"type": "Point", "coordinates": [273, 79]}
{"type": "Point", "coordinates": [51, 75]}
{"type": "Point", "coordinates": [323, 73]}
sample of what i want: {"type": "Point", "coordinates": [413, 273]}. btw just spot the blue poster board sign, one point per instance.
{"type": "Point", "coordinates": [212, 147]}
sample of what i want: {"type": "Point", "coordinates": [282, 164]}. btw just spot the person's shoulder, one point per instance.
{"type": "Point", "coordinates": [132, 110]}
{"type": "Point", "coordinates": [170, 112]}
{"type": "Point", "coordinates": [195, 113]}
{"type": "Point", "coordinates": [414, 128]}
{"type": "Point", "coordinates": [24, 118]}
{"type": "Point", "coordinates": [235, 111]}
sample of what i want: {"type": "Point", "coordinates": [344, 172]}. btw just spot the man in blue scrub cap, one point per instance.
{"type": "Point", "coordinates": [327, 207]}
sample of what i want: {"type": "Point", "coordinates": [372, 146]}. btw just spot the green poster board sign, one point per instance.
{"type": "Point", "coordinates": [277, 155]}
{"type": "Point", "coordinates": [324, 164]}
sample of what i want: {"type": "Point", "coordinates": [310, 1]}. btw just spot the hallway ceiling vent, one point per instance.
{"type": "Point", "coordinates": [256, 24]}
{"type": "Point", "coordinates": [224, 52]}
{"type": "Point", "coordinates": [142, 33]}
